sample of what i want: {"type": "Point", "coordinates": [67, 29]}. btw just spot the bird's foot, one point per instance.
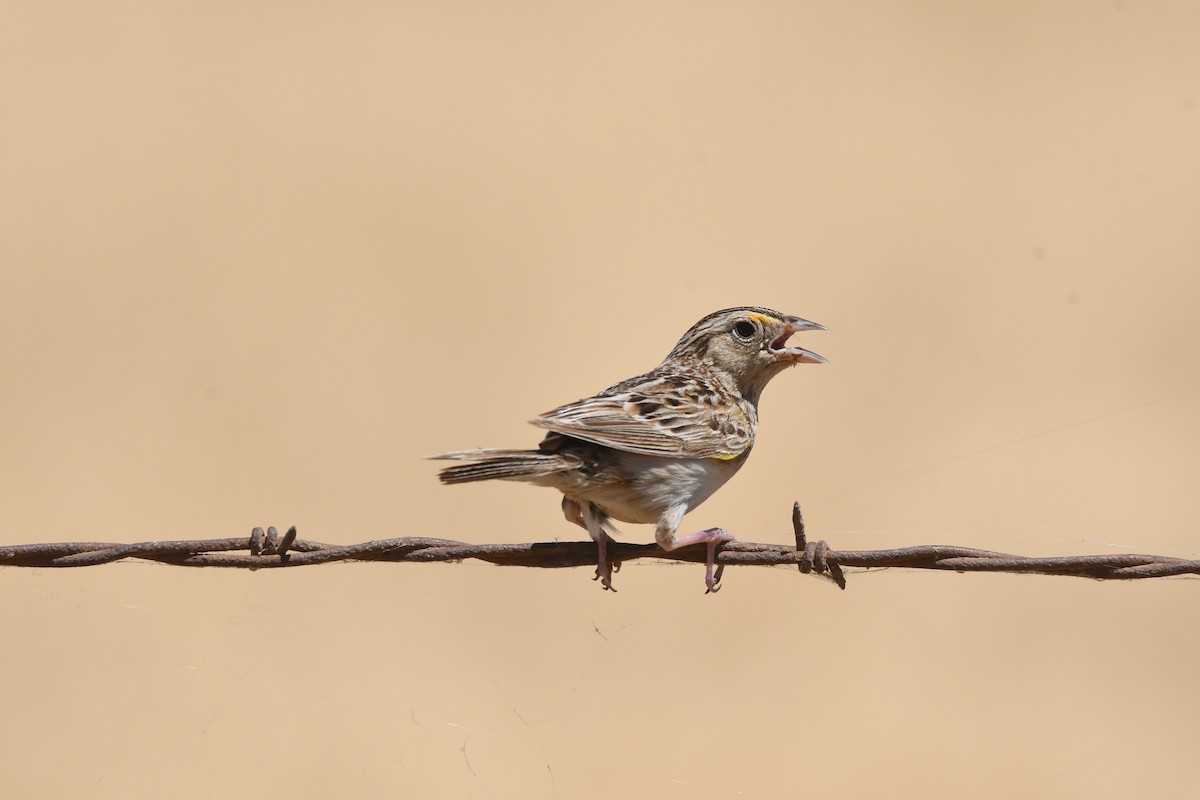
{"type": "Point", "coordinates": [712, 578]}
{"type": "Point", "coordinates": [604, 567]}
{"type": "Point", "coordinates": [713, 538]}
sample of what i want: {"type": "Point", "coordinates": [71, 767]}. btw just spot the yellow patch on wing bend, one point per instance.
{"type": "Point", "coordinates": [749, 425]}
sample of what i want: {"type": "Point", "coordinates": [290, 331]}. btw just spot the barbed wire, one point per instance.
{"type": "Point", "coordinates": [267, 550]}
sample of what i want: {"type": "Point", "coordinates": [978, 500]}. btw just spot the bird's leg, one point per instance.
{"type": "Point", "coordinates": [713, 537]}
{"type": "Point", "coordinates": [574, 514]}
{"type": "Point", "coordinates": [668, 539]}
{"type": "Point", "coordinates": [591, 518]}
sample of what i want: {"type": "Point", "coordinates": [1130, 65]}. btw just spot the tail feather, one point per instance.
{"type": "Point", "coordinates": [503, 464]}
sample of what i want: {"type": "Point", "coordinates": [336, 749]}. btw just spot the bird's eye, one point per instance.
{"type": "Point", "coordinates": [744, 330]}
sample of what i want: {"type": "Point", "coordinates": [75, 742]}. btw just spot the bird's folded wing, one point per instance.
{"type": "Point", "coordinates": [636, 424]}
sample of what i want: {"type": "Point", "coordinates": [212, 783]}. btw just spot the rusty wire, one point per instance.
{"type": "Point", "coordinates": [269, 550]}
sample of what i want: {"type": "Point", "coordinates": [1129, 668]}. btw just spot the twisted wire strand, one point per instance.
{"type": "Point", "coordinates": [267, 550]}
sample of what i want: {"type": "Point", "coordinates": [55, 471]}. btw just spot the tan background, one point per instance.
{"type": "Point", "coordinates": [258, 259]}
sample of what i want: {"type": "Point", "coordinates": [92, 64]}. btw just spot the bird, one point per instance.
{"type": "Point", "coordinates": [651, 448]}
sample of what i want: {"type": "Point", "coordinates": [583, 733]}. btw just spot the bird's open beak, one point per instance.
{"type": "Point", "coordinates": [795, 355]}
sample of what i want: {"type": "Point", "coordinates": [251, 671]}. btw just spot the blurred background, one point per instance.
{"type": "Point", "coordinates": [257, 259]}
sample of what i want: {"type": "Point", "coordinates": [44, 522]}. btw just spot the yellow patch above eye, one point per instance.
{"type": "Point", "coordinates": [761, 319]}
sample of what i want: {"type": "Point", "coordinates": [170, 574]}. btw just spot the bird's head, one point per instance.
{"type": "Point", "coordinates": [747, 344]}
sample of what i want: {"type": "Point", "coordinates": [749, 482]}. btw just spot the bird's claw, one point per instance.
{"type": "Point", "coordinates": [605, 568]}
{"type": "Point", "coordinates": [605, 579]}
{"type": "Point", "coordinates": [712, 579]}
{"type": "Point", "coordinates": [713, 570]}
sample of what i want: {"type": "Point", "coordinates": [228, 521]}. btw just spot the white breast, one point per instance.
{"type": "Point", "coordinates": [656, 483]}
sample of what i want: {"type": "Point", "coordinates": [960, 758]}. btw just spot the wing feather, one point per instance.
{"type": "Point", "coordinates": [680, 418]}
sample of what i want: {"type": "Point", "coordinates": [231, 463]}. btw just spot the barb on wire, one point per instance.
{"type": "Point", "coordinates": [270, 550]}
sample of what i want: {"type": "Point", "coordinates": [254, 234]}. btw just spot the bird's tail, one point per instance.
{"type": "Point", "coordinates": [526, 465]}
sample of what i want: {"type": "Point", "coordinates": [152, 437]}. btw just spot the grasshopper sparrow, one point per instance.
{"type": "Point", "coordinates": [652, 448]}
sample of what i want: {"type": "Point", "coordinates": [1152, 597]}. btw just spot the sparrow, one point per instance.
{"type": "Point", "coordinates": [652, 448]}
